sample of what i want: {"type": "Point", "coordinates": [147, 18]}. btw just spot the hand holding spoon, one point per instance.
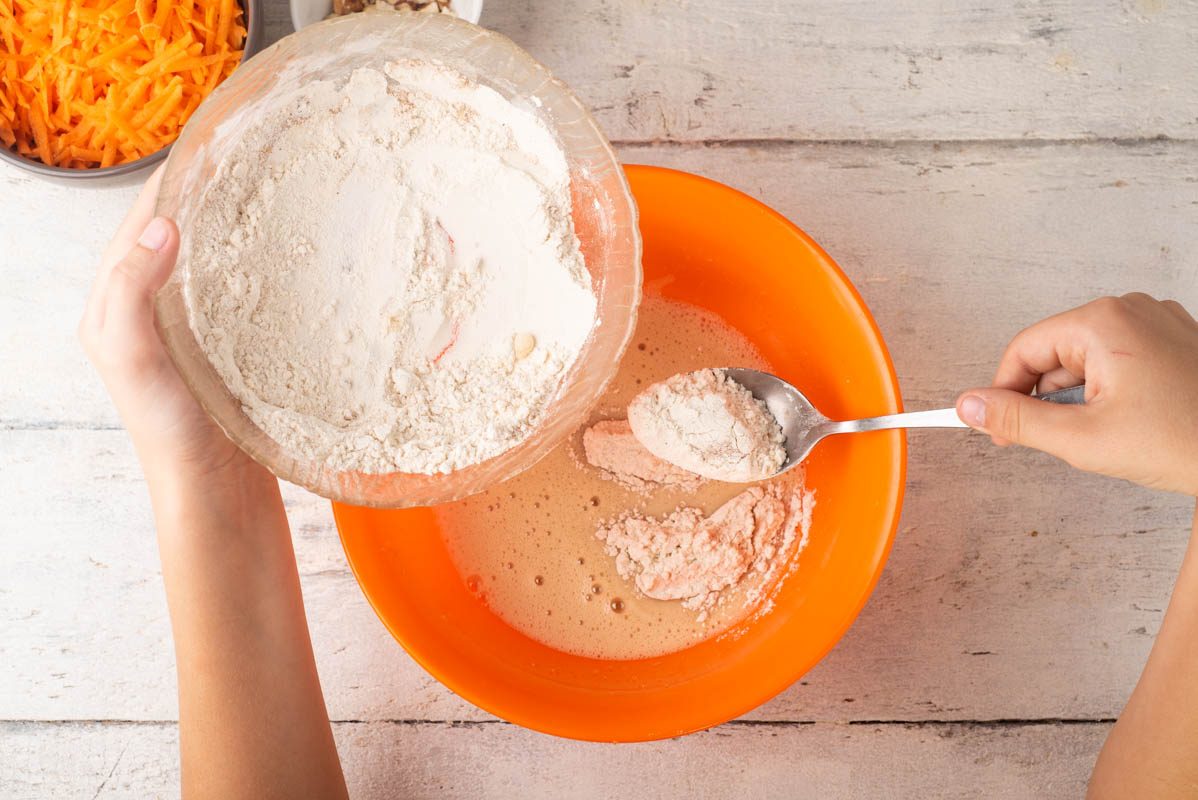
{"type": "Point", "coordinates": [804, 426]}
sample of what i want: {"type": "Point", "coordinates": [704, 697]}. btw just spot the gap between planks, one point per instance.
{"type": "Point", "coordinates": [888, 143]}
{"type": "Point", "coordinates": [737, 723]}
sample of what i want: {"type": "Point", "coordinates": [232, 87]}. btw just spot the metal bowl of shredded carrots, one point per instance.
{"type": "Point", "coordinates": [95, 88]}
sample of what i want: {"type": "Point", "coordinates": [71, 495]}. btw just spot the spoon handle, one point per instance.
{"type": "Point", "coordinates": [939, 418]}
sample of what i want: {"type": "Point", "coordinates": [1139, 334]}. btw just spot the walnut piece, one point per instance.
{"type": "Point", "coordinates": [343, 7]}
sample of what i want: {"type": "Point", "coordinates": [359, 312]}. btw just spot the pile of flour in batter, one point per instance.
{"type": "Point", "coordinates": [694, 558]}
{"type": "Point", "coordinates": [686, 555]}
{"type": "Point", "coordinates": [385, 273]}
{"type": "Point", "coordinates": [694, 424]}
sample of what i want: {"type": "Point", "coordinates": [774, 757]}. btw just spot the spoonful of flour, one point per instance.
{"type": "Point", "coordinates": [384, 270]}
{"type": "Point", "coordinates": [708, 424]}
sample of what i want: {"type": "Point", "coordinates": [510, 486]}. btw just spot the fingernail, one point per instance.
{"type": "Point", "coordinates": [155, 234]}
{"type": "Point", "coordinates": [973, 411]}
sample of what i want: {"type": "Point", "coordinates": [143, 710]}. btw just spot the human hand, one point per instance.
{"type": "Point", "coordinates": [172, 434]}
{"type": "Point", "coordinates": [249, 693]}
{"type": "Point", "coordinates": [1139, 360]}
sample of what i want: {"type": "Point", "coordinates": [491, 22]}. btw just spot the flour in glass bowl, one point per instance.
{"type": "Point", "coordinates": [385, 273]}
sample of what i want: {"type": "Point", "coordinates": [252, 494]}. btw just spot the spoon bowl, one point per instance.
{"type": "Point", "coordinates": [804, 426]}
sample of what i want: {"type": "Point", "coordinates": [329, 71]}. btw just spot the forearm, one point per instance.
{"type": "Point", "coordinates": [252, 721]}
{"type": "Point", "coordinates": [1153, 749]}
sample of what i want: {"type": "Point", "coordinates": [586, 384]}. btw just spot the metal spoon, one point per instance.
{"type": "Point", "coordinates": [804, 426]}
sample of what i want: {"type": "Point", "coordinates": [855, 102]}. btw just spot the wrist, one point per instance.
{"type": "Point", "coordinates": [238, 493]}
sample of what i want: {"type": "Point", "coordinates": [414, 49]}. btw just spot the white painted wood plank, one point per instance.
{"type": "Point", "coordinates": [689, 70]}
{"type": "Point", "coordinates": [831, 69]}
{"type": "Point", "coordinates": [84, 632]}
{"type": "Point", "coordinates": [478, 761]}
{"type": "Point", "coordinates": [974, 618]}
{"type": "Point", "coordinates": [51, 237]}
{"type": "Point", "coordinates": [955, 247]}
{"type": "Point", "coordinates": [1017, 589]}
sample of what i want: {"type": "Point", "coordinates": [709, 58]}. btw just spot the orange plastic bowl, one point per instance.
{"type": "Point", "coordinates": [711, 246]}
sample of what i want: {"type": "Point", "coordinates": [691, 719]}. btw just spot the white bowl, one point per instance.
{"type": "Point", "coordinates": [305, 12]}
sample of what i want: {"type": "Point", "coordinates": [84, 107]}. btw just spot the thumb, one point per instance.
{"type": "Point", "coordinates": [139, 275]}
{"type": "Point", "coordinates": [1010, 416]}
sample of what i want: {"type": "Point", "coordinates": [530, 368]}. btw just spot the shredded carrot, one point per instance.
{"type": "Point", "coordinates": [224, 19]}
{"type": "Point", "coordinates": [90, 83]}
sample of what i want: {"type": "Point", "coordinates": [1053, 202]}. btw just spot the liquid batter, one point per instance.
{"type": "Point", "coordinates": [528, 549]}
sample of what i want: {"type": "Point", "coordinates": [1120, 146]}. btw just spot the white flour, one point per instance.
{"type": "Point", "coordinates": [709, 424]}
{"type": "Point", "coordinates": [385, 272]}
{"type": "Point", "coordinates": [685, 555]}
{"type": "Point", "coordinates": [689, 557]}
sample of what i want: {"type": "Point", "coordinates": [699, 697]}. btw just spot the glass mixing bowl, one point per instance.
{"type": "Point", "coordinates": [604, 216]}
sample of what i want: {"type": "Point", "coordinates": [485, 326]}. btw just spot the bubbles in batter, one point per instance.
{"type": "Point", "coordinates": [553, 581]}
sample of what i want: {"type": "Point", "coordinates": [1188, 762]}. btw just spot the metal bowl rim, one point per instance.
{"type": "Point", "coordinates": [253, 43]}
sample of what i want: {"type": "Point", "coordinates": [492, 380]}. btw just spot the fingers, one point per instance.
{"type": "Point", "coordinates": [140, 214]}
{"type": "Point", "coordinates": [1059, 378]}
{"type": "Point", "coordinates": [1149, 305]}
{"type": "Point", "coordinates": [1178, 310]}
{"type": "Point", "coordinates": [129, 302]}
{"type": "Point", "coordinates": [1058, 342]}
{"type": "Point", "coordinates": [1135, 355]}
{"type": "Point", "coordinates": [1010, 416]}
{"type": "Point", "coordinates": [141, 273]}
{"type": "Point", "coordinates": [126, 236]}
{"type": "Point", "coordinates": [1062, 342]}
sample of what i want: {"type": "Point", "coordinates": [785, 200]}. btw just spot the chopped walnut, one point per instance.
{"type": "Point", "coordinates": [343, 7]}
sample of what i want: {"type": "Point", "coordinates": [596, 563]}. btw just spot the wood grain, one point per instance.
{"type": "Point", "coordinates": [685, 70]}
{"type": "Point", "coordinates": [972, 166]}
{"type": "Point", "coordinates": [955, 247]}
{"type": "Point", "coordinates": [48, 269]}
{"type": "Point", "coordinates": [389, 760]}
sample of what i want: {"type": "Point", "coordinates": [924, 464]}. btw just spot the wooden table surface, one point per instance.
{"type": "Point", "coordinates": [973, 166]}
